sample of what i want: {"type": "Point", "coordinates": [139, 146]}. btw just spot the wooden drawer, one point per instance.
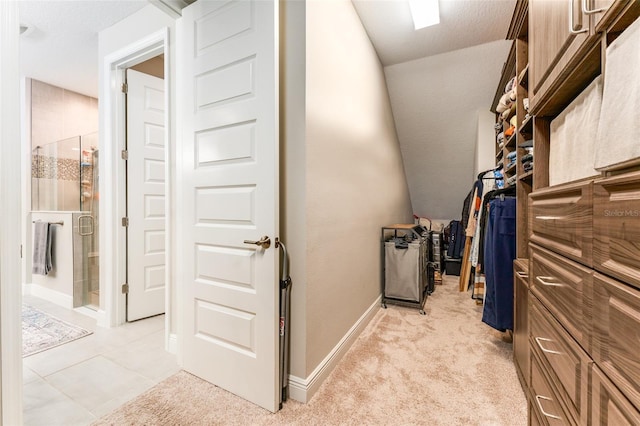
{"type": "Point", "coordinates": [561, 220]}
{"type": "Point", "coordinates": [608, 406]}
{"type": "Point", "coordinates": [565, 288]}
{"type": "Point", "coordinates": [521, 323]}
{"type": "Point", "coordinates": [616, 334]}
{"type": "Point", "coordinates": [534, 415]}
{"type": "Point", "coordinates": [567, 364]}
{"type": "Point", "coordinates": [546, 407]}
{"type": "Point", "coordinates": [616, 222]}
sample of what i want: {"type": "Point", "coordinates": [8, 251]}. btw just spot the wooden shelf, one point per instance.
{"type": "Point", "coordinates": [526, 176]}
{"type": "Point", "coordinates": [508, 71]}
{"type": "Point", "coordinates": [509, 170]}
{"type": "Point", "coordinates": [523, 77]}
{"type": "Point", "coordinates": [511, 142]}
{"type": "Point", "coordinates": [499, 154]}
{"type": "Point", "coordinates": [526, 128]}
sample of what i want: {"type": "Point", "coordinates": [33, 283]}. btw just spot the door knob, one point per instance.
{"type": "Point", "coordinates": [265, 242]}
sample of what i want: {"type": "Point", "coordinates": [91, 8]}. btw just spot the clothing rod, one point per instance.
{"type": "Point", "coordinates": [60, 222]}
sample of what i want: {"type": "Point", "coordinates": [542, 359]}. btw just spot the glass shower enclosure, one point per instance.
{"type": "Point", "coordinates": [64, 177]}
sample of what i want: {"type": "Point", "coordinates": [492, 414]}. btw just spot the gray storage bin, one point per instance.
{"type": "Point", "coordinates": [404, 266]}
{"type": "Point", "coordinates": [403, 271]}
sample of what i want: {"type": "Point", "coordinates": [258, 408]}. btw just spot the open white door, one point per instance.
{"type": "Point", "coordinates": [145, 196]}
{"type": "Point", "coordinates": [229, 118]}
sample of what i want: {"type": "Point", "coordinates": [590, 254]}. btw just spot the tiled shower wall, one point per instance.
{"type": "Point", "coordinates": [58, 114]}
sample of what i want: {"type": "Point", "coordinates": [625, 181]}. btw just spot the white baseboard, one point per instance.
{"type": "Point", "coordinates": [64, 300]}
{"type": "Point", "coordinates": [302, 390]}
{"type": "Point", "coordinates": [99, 315]}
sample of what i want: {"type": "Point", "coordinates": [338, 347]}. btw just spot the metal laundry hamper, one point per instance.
{"type": "Point", "coordinates": [404, 275]}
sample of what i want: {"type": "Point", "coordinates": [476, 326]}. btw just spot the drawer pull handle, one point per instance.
{"type": "Point", "coordinates": [552, 416]}
{"type": "Point", "coordinates": [571, 23]}
{"type": "Point", "coordinates": [546, 282]}
{"type": "Point", "coordinates": [543, 349]}
{"type": "Point", "coordinates": [585, 8]}
{"type": "Point", "coordinates": [522, 274]}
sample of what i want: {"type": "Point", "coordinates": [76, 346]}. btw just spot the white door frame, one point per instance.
{"type": "Point", "coordinates": [112, 175]}
{"type": "Point", "coordinates": [10, 219]}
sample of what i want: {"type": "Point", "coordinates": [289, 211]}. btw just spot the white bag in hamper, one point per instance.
{"type": "Point", "coordinates": [619, 128]}
{"type": "Point", "coordinates": [573, 137]}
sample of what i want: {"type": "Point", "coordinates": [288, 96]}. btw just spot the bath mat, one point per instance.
{"type": "Point", "coordinates": [41, 331]}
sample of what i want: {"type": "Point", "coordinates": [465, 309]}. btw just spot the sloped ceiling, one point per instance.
{"type": "Point", "coordinates": [463, 23]}
{"type": "Point", "coordinates": [439, 78]}
{"type": "Point", "coordinates": [435, 102]}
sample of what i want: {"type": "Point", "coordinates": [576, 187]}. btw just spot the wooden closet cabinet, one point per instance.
{"type": "Point", "coordinates": [564, 50]}
{"type": "Point", "coordinates": [608, 406]}
{"type": "Point", "coordinates": [577, 277]}
{"type": "Point", "coordinates": [551, 43]}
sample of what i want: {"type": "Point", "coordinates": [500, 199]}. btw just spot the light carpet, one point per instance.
{"type": "Point", "coordinates": [445, 368]}
{"type": "Point", "coordinates": [42, 331]}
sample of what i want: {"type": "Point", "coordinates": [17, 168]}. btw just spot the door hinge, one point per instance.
{"type": "Point", "coordinates": [125, 288]}
{"type": "Point", "coordinates": [125, 88]}
{"type": "Point", "coordinates": [125, 221]}
{"type": "Point", "coordinates": [124, 154]}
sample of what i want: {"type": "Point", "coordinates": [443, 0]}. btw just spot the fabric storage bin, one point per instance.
{"type": "Point", "coordinates": [452, 266]}
{"type": "Point", "coordinates": [403, 274]}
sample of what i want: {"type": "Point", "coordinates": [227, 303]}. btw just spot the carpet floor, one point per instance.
{"type": "Point", "coordinates": [445, 368]}
{"type": "Point", "coordinates": [42, 331]}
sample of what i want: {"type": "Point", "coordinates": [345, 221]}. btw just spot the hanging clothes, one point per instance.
{"type": "Point", "coordinates": [499, 253]}
{"type": "Point", "coordinates": [489, 182]}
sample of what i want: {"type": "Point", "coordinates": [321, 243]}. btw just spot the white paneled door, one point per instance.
{"type": "Point", "coordinates": [145, 196]}
{"type": "Point", "coordinates": [229, 193]}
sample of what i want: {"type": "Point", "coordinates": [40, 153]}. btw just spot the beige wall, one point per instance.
{"type": "Point", "coordinates": [293, 151]}
{"type": "Point", "coordinates": [58, 117]}
{"type": "Point", "coordinates": [485, 155]}
{"type": "Point", "coordinates": [58, 114]}
{"type": "Point", "coordinates": [350, 164]}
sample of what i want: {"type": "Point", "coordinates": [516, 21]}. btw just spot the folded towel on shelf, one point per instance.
{"type": "Point", "coordinates": [528, 166]}
{"type": "Point", "coordinates": [510, 85]}
{"type": "Point", "coordinates": [510, 131]}
{"type": "Point", "coordinates": [511, 155]}
{"type": "Point", "coordinates": [42, 264]}
{"type": "Point", "coordinates": [526, 144]}
{"type": "Point", "coordinates": [527, 157]}
{"type": "Point", "coordinates": [512, 180]}
{"type": "Point", "coordinates": [504, 104]}
{"type": "Point", "coordinates": [500, 137]}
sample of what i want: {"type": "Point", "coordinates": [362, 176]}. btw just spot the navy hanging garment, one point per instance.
{"type": "Point", "coordinates": [500, 251]}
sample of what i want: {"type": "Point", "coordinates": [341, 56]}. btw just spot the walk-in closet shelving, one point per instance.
{"type": "Point", "coordinates": [576, 279]}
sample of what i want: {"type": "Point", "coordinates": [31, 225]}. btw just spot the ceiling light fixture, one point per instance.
{"type": "Point", "coordinates": [425, 13]}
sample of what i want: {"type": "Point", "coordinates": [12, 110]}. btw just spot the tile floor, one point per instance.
{"type": "Point", "coordinates": [79, 382]}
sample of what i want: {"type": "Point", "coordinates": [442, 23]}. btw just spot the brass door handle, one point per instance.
{"type": "Point", "coordinates": [264, 242]}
